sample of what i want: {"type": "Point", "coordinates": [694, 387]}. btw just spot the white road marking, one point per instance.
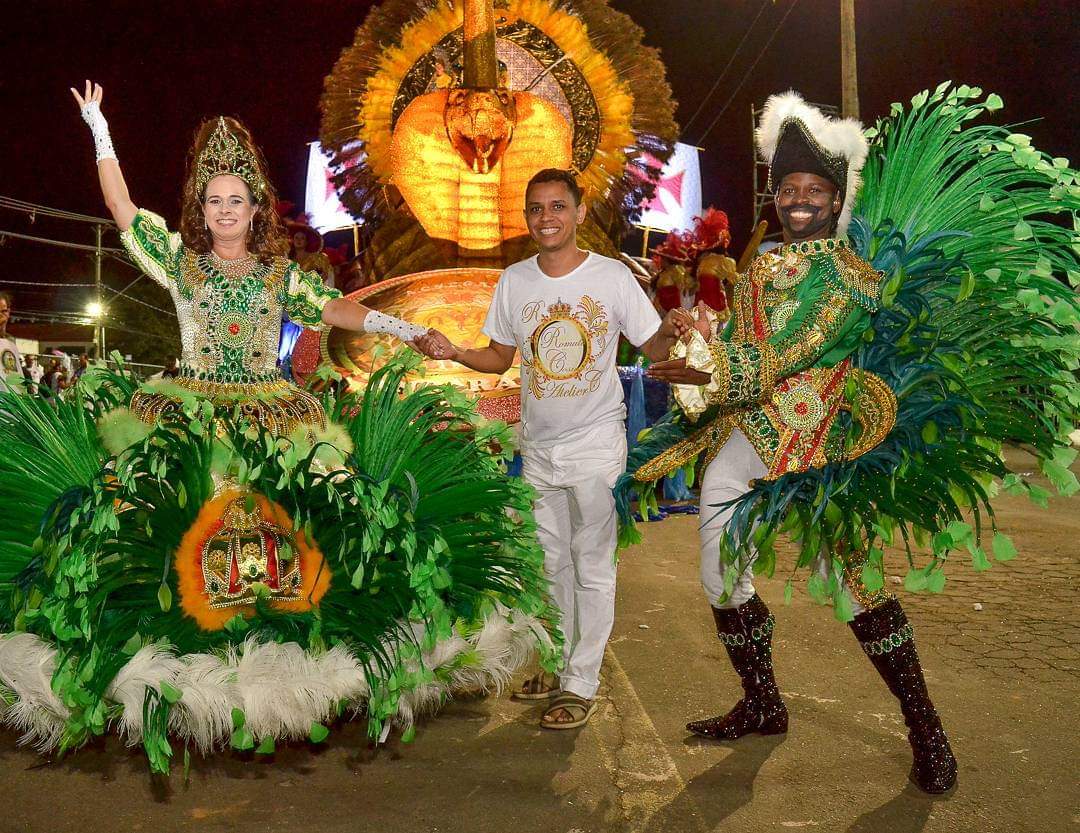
{"type": "Point", "coordinates": [634, 754]}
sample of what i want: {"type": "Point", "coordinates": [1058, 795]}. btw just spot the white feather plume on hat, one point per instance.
{"type": "Point", "coordinates": [838, 137]}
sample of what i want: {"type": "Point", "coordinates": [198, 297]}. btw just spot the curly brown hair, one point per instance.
{"type": "Point", "coordinates": [267, 238]}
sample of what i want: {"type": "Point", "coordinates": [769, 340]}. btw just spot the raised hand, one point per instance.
{"type": "Point", "coordinates": [92, 94]}
{"type": "Point", "coordinates": [113, 187]}
{"type": "Point", "coordinates": [90, 108]}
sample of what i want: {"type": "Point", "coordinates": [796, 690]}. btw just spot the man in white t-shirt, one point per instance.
{"type": "Point", "coordinates": [564, 310]}
{"type": "Point", "coordinates": [10, 358]}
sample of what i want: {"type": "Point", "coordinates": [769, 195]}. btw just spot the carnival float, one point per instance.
{"type": "Point", "coordinates": [434, 137]}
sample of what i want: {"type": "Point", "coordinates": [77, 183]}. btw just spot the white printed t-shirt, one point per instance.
{"type": "Point", "coordinates": [567, 331]}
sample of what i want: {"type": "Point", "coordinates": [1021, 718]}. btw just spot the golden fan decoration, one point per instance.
{"type": "Point", "coordinates": [584, 59]}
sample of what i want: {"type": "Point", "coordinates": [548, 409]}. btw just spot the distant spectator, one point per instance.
{"type": "Point", "coordinates": [32, 369]}
{"type": "Point", "coordinates": [10, 359]}
{"type": "Point", "coordinates": [84, 362]}
{"type": "Point", "coordinates": [32, 372]}
{"type": "Point", "coordinates": [48, 387]}
{"type": "Point", "coordinates": [171, 369]}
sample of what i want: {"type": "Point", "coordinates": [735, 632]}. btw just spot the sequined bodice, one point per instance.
{"type": "Point", "coordinates": [229, 311]}
{"type": "Point", "coordinates": [229, 326]}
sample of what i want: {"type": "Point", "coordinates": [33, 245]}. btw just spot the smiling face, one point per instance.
{"type": "Point", "coordinates": [552, 216]}
{"type": "Point", "coordinates": [228, 208]}
{"type": "Point", "coordinates": [5, 313]}
{"type": "Point", "coordinates": [807, 206]}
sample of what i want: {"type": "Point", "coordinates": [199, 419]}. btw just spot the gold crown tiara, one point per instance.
{"type": "Point", "coordinates": [225, 154]}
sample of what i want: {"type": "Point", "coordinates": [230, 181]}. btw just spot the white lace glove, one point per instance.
{"type": "Point", "coordinates": [379, 322]}
{"type": "Point", "coordinates": [92, 115]}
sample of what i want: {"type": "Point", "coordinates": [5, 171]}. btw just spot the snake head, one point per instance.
{"type": "Point", "coordinates": [480, 124]}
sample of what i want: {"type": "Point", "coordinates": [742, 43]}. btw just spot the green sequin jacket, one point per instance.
{"type": "Point", "coordinates": [779, 369]}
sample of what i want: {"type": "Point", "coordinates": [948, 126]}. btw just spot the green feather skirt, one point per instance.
{"type": "Point", "coordinates": [435, 577]}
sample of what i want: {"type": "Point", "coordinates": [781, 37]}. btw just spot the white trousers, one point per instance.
{"type": "Point", "coordinates": [577, 527]}
{"type": "Point", "coordinates": [725, 478]}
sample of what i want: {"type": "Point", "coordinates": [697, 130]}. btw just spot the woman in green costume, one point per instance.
{"type": "Point", "coordinates": [226, 559]}
{"type": "Point", "coordinates": [227, 274]}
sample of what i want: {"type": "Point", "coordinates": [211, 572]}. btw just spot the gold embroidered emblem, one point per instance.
{"type": "Point", "coordinates": [781, 314]}
{"type": "Point", "coordinates": [565, 343]}
{"type": "Point", "coordinates": [788, 271]}
{"type": "Point", "coordinates": [801, 407]}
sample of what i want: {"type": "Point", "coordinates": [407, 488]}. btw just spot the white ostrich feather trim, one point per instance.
{"type": "Point", "coordinates": [281, 688]}
{"type": "Point", "coordinates": [27, 701]}
{"type": "Point", "coordinates": [840, 137]}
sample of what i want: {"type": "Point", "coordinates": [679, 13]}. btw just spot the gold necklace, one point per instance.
{"type": "Point", "coordinates": [239, 267]}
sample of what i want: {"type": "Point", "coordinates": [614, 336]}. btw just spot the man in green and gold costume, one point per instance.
{"type": "Point", "coordinates": [768, 393]}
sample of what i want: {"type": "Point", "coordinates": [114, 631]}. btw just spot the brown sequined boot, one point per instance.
{"type": "Point", "coordinates": [886, 637]}
{"type": "Point", "coordinates": [746, 632]}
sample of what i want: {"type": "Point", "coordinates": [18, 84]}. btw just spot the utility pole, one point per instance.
{"type": "Point", "coordinates": [848, 72]}
{"type": "Point", "coordinates": [99, 325]}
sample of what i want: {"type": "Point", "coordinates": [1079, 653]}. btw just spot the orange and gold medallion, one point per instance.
{"type": "Point", "coordinates": [239, 547]}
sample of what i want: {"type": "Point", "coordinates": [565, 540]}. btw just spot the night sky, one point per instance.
{"type": "Point", "coordinates": [166, 65]}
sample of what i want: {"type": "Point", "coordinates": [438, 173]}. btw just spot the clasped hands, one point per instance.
{"type": "Point", "coordinates": [680, 323]}
{"type": "Point", "coordinates": [435, 345]}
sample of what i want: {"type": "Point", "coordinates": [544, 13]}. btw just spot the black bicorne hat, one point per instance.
{"type": "Point", "coordinates": [793, 137]}
{"type": "Point", "coordinates": [797, 152]}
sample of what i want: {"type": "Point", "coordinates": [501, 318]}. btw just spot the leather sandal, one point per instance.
{"type": "Point", "coordinates": [540, 686]}
{"type": "Point", "coordinates": [579, 709]}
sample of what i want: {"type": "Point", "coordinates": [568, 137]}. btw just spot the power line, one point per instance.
{"type": "Point", "coordinates": [761, 54]}
{"type": "Point", "coordinates": [120, 256]}
{"type": "Point", "coordinates": [132, 282]}
{"type": "Point", "coordinates": [61, 243]}
{"type": "Point", "coordinates": [136, 300]}
{"type": "Point", "coordinates": [78, 319]}
{"type": "Point", "coordinates": [91, 285]}
{"type": "Point", "coordinates": [35, 210]}
{"type": "Point", "coordinates": [50, 316]}
{"type": "Point", "coordinates": [5, 281]}
{"type": "Point", "coordinates": [156, 336]}
{"type": "Point", "coordinates": [723, 72]}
